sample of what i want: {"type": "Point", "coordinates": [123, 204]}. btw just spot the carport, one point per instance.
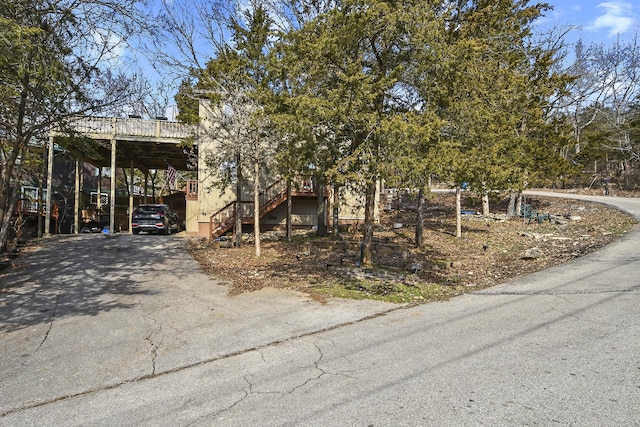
{"type": "Point", "coordinates": [133, 143]}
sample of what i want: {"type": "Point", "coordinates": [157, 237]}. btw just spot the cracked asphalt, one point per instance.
{"type": "Point", "coordinates": [101, 331]}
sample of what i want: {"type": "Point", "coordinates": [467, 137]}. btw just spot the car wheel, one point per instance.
{"type": "Point", "coordinates": [136, 231]}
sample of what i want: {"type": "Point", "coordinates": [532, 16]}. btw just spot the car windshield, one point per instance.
{"type": "Point", "coordinates": [149, 208]}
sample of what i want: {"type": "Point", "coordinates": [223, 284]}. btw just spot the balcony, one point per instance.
{"type": "Point", "coordinates": [132, 128]}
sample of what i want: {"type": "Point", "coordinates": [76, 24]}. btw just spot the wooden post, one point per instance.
{"type": "Point", "coordinates": [76, 201]}
{"type": "Point", "coordinates": [99, 201]}
{"type": "Point", "coordinates": [47, 218]}
{"type": "Point", "coordinates": [130, 195]}
{"type": "Point", "coordinates": [112, 201]}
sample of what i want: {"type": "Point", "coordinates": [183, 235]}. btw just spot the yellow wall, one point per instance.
{"type": "Point", "coordinates": [209, 199]}
{"type": "Point", "coordinates": [191, 218]}
{"type": "Point", "coordinates": [351, 207]}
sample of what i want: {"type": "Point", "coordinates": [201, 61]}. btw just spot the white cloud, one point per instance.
{"type": "Point", "coordinates": [617, 17]}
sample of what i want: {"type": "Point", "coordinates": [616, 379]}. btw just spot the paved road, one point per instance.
{"type": "Point", "coordinates": [127, 331]}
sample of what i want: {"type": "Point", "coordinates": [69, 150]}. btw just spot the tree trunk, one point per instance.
{"type": "Point", "coordinates": [458, 213]}
{"type": "Point", "coordinates": [322, 225]}
{"type": "Point", "coordinates": [485, 204]}
{"type": "Point", "coordinates": [256, 206]}
{"type": "Point", "coordinates": [289, 211]}
{"type": "Point", "coordinates": [367, 241]}
{"type": "Point", "coordinates": [127, 184]}
{"type": "Point", "coordinates": [511, 209]}
{"type": "Point", "coordinates": [7, 214]}
{"type": "Point", "coordinates": [519, 203]}
{"type": "Point", "coordinates": [146, 185]}
{"type": "Point", "coordinates": [237, 226]}
{"type": "Point", "coordinates": [336, 212]}
{"type": "Point", "coordinates": [153, 177]}
{"type": "Point", "coordinates": [419, 218]}
{"type": "Point", "coordinates": [9, 195]}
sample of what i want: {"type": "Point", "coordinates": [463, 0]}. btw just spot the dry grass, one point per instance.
{"type": "Point", "coordinates": [491, 251]}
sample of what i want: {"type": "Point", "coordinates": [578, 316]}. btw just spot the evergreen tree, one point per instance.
{"type": "Point", "coordinates": [349, 61]}
{"type": "Point", "coordinates": [187, 102]}
{"type": "Point", "coordinates": [497, 84]}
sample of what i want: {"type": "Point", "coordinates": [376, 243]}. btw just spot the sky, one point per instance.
{"type": "Point", "coordinates": [596, 21]}
{"type": "Point", "coordinates": [593, 21]}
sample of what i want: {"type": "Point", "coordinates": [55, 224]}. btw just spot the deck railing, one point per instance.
{"type": "Point", "coordinates": [192, 189]}
{"type": "Point", "coordinates": [223, 219]}
{"type": "Point", "coordinates": [113, 126]}
{"type": "Point", "coordinates": [27, 206]}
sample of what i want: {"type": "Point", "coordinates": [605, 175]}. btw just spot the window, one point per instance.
{"type": "Point", "coordinates": [104, 198]}
{"type": "Point", "coordinates": [192, 189]}
{"type": "Point", "coordinates": [29, 198]}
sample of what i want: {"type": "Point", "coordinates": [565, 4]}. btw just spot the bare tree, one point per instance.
{"type": "Point", "coordinates": [622, 84]}
{"type": "Point", "coordinates": [598, 102]}
{"type": "Point", "coordinates": [243, 149]}
{"type": "Point", "coordinates": [149, 99]}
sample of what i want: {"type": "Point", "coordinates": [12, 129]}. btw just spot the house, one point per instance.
{"type": "Point", "coordinates": [146, 145]}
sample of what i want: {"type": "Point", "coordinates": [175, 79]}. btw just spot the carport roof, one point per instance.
{"type": "Point", "coordinates": [149, 144]}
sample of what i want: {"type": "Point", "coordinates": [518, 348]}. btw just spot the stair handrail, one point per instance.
{"type": "Point", "coordinates": [272, 193]}
{"type": "Point", "coordinates": [223, 216]}
{"type": "Point", "coordinates": [269, 198]}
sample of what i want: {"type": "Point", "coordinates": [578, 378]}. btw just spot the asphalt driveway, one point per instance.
{"type": "Point", "coordinates": [128, 331]}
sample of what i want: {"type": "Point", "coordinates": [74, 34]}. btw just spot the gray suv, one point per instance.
{"type": "Point", "coordinates": [154, 218]}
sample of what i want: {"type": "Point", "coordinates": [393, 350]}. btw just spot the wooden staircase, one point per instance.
{"type": "Point", "coordinates": [224, 219]}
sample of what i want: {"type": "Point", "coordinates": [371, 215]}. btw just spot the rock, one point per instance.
{"type": "Point", "coordinates": [444, 264]}
{"type": "Point", "coordinates": [533, 253]}
{"type": "Point", "coordinates": [537, 236]}
{"type": "Point", "coordinates": [416, 266]}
